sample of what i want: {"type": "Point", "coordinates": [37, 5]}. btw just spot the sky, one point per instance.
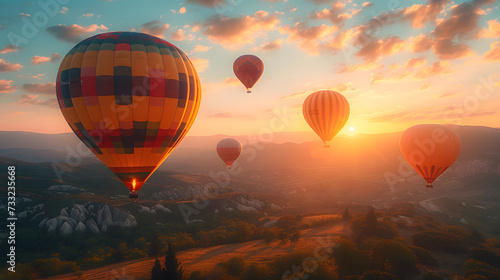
{"type": "Point", "coordinates": [399, 63]}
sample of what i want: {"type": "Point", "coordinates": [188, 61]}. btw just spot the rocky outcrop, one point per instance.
{"type": "Point", "coordinates": [94, 217]}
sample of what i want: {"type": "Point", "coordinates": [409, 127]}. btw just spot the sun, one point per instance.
{"type": "Point", "coordinates": [351, 128]}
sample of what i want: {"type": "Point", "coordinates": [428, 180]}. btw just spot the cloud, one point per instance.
{"type": "Point", "coordinates": [6, 87]}
{"type": "Point", "coordinates": [229, 115]}
{"type": "Point", "coordinates": [182, 10]}
{"type": "Point", "coordinates": [448, 94]}
{"type": "Point", "coordinates": [421, 43]}
{"type": "Point", "coordinates": [340, 87]}
{"type": "Point", "coordinates": [73, 33]}
{"type": "Point", "coordinates": [307, 38]}
{"type": "Point", "coordinates": [376, 78]}
{"type": "Point", "coordinates": [270, 46]}
{"type": "Point", "coordinates": [461, 24]}
{"type": "Point", "coordinates": [28, 99]}
{"type": "Point", "coordinates": [155, 28]}
{"type": "Point", "coordinates": [88, 15]}
{"type": "Point", "coordinates": [425, 86]}
{"type": "Point", "coordinates": [420, 14]}
{"type": "Point", "coordinates": [42, 59]}
{"type": "Point", "coordinates": [64, 10]}
{"type": "Point", "coordinates": [416, 62]}
{"type": "Point", "coordinates": [31, 76]}
{"type": "Point", "coordinates": [335, 14]}
{"type": "Point", "coordinates": [447, 49]}
{"type": "Point", "coordinates": [200, 48]}
{"type": "Point", "coordinates": [231, 81]}
{"type": "Point", "coordinates": [6, 66]}
{"type": "Point", "coordinates": [200, 63]}
{"type": "Point", "coordinates": [178, 35]}
{"type": "Point", "coordinates": [492, 31]}
{"type": "Point", "coordinates": [10, 48]}
{"type": "Point", "coordinates": [45, 89]}
{"type": "Point", "coordinates": [367, 4]}
{"type": "Point", "coordinates": [439, 67]}
{"type": "Point", "coordinates": [493, 55]}
{"type": "Point", "coordinates": [208, 3]}
{"type": "Point", "coordinates": [376, 49]}
{"type": "Point", "coordinates": [442, 114]}
{"type": "Point", "coordinates": [359, 67]}
{"type": "Point", "coordinates": [234, 32]}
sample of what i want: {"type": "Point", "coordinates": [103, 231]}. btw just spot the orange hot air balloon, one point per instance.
{"type": "Point", "coordinates": [248, 69]}
{"type": "Point", "coordinates": [131, 98]}
{"type": "Point", "coordinates": [430, 149]}
{"type": "Point", "coordinates": [229, 150]}
{"type": "Point", "coordinates": [326, 112]}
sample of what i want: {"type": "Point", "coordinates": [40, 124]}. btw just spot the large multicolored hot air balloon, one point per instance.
{"type": "Point", "coordinates": [430, 149]}
{"type": "Point", "coordinates": [229, 150]}
{"type": "Point", "coordinates": [326, 112]}
{"type": "Point", "coordinates": [131, 98]}
{"type": "Point", "coordinates": [248, 69]}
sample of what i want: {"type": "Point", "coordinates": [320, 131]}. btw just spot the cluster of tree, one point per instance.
{"type": "Point", "coordinates": [171, 270]}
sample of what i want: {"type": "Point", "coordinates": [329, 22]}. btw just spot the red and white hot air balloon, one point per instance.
{"type": "Point", "coordinates": [229, 150]}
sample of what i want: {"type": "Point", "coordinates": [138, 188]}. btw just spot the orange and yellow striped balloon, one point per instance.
{"type": "Point", "coordinates": [326, 112]}
{"type": "Point", "coordinates": [131, 98]}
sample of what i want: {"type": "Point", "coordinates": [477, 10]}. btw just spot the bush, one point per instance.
{"type": "Point", "coordinates": [256, 271]}
{"type": "Point", "coordinates": [485, 256]}
{"type": "Point", "coordinates": [424, 257]}
{"type": "Point", "coordinates": [349, 259]}
{"type": "Point", "coordinates": [401, 259]}
{"type": "Point", "coordinates": [429, 275]}
{"type": "Point", "coordinates": [482, 272]}
{"type": "Point", "coordinates": [53, 266]}
{"type": "Point", "coordinates": [377, 275]}
{"type": "Point", "coordinates": [378, 229]}
{"type": "Point", "coordinates": [234, 266]}
{"type": "Point", "coordinates": [439, 240]}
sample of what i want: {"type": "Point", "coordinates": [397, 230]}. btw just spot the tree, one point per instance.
{"type": "Point", "coordinates": [294, 236]}
{"type": "Point", "coordinates": [371, 218]}
{"type": "Point", "coordinates": [349, 259]}
{"type": "Point", "coordinates": [346, 216]}
{"type": "Point", "coordinates": [173, 269]}
{"type": "Point", "coordinates": [154, 248]}
{"type": "Point", "coordinates": [156, 272]}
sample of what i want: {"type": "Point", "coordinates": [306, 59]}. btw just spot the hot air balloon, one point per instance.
{"type": "Point", "coordinates": [326, 112]}
{"type": "Point", "coordinates": [229, 150]}
{"type": "Point", "coordinates": [131, 98]}
{"type": "Point", "coordinates": [430, 149]}
{"type": "Point", "coordinates": [248, 69]}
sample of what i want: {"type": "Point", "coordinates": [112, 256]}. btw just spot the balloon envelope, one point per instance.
{"type": "Point", "coordinates": [131, 98]}
{"type": "Point", "coordinates": [229, 150]}
{"type": "Point", "coordinates": [248, 69]}
{"type": "Point", "coordinates": [326, 112]}
{"type": "Point", "coordinates": [430, 149]}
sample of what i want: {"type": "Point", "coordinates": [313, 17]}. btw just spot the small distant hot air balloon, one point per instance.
{"type": "Point", "coordinates": [248, 69]}
{"type": "Point", "coordinates": [326, 112]}
{"type": "Point", "coordinates": [430, 149]}
{"type": "Point", "coordinates": [229, 150]}
{"type": "Point", "coordinates": [131, 98]}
